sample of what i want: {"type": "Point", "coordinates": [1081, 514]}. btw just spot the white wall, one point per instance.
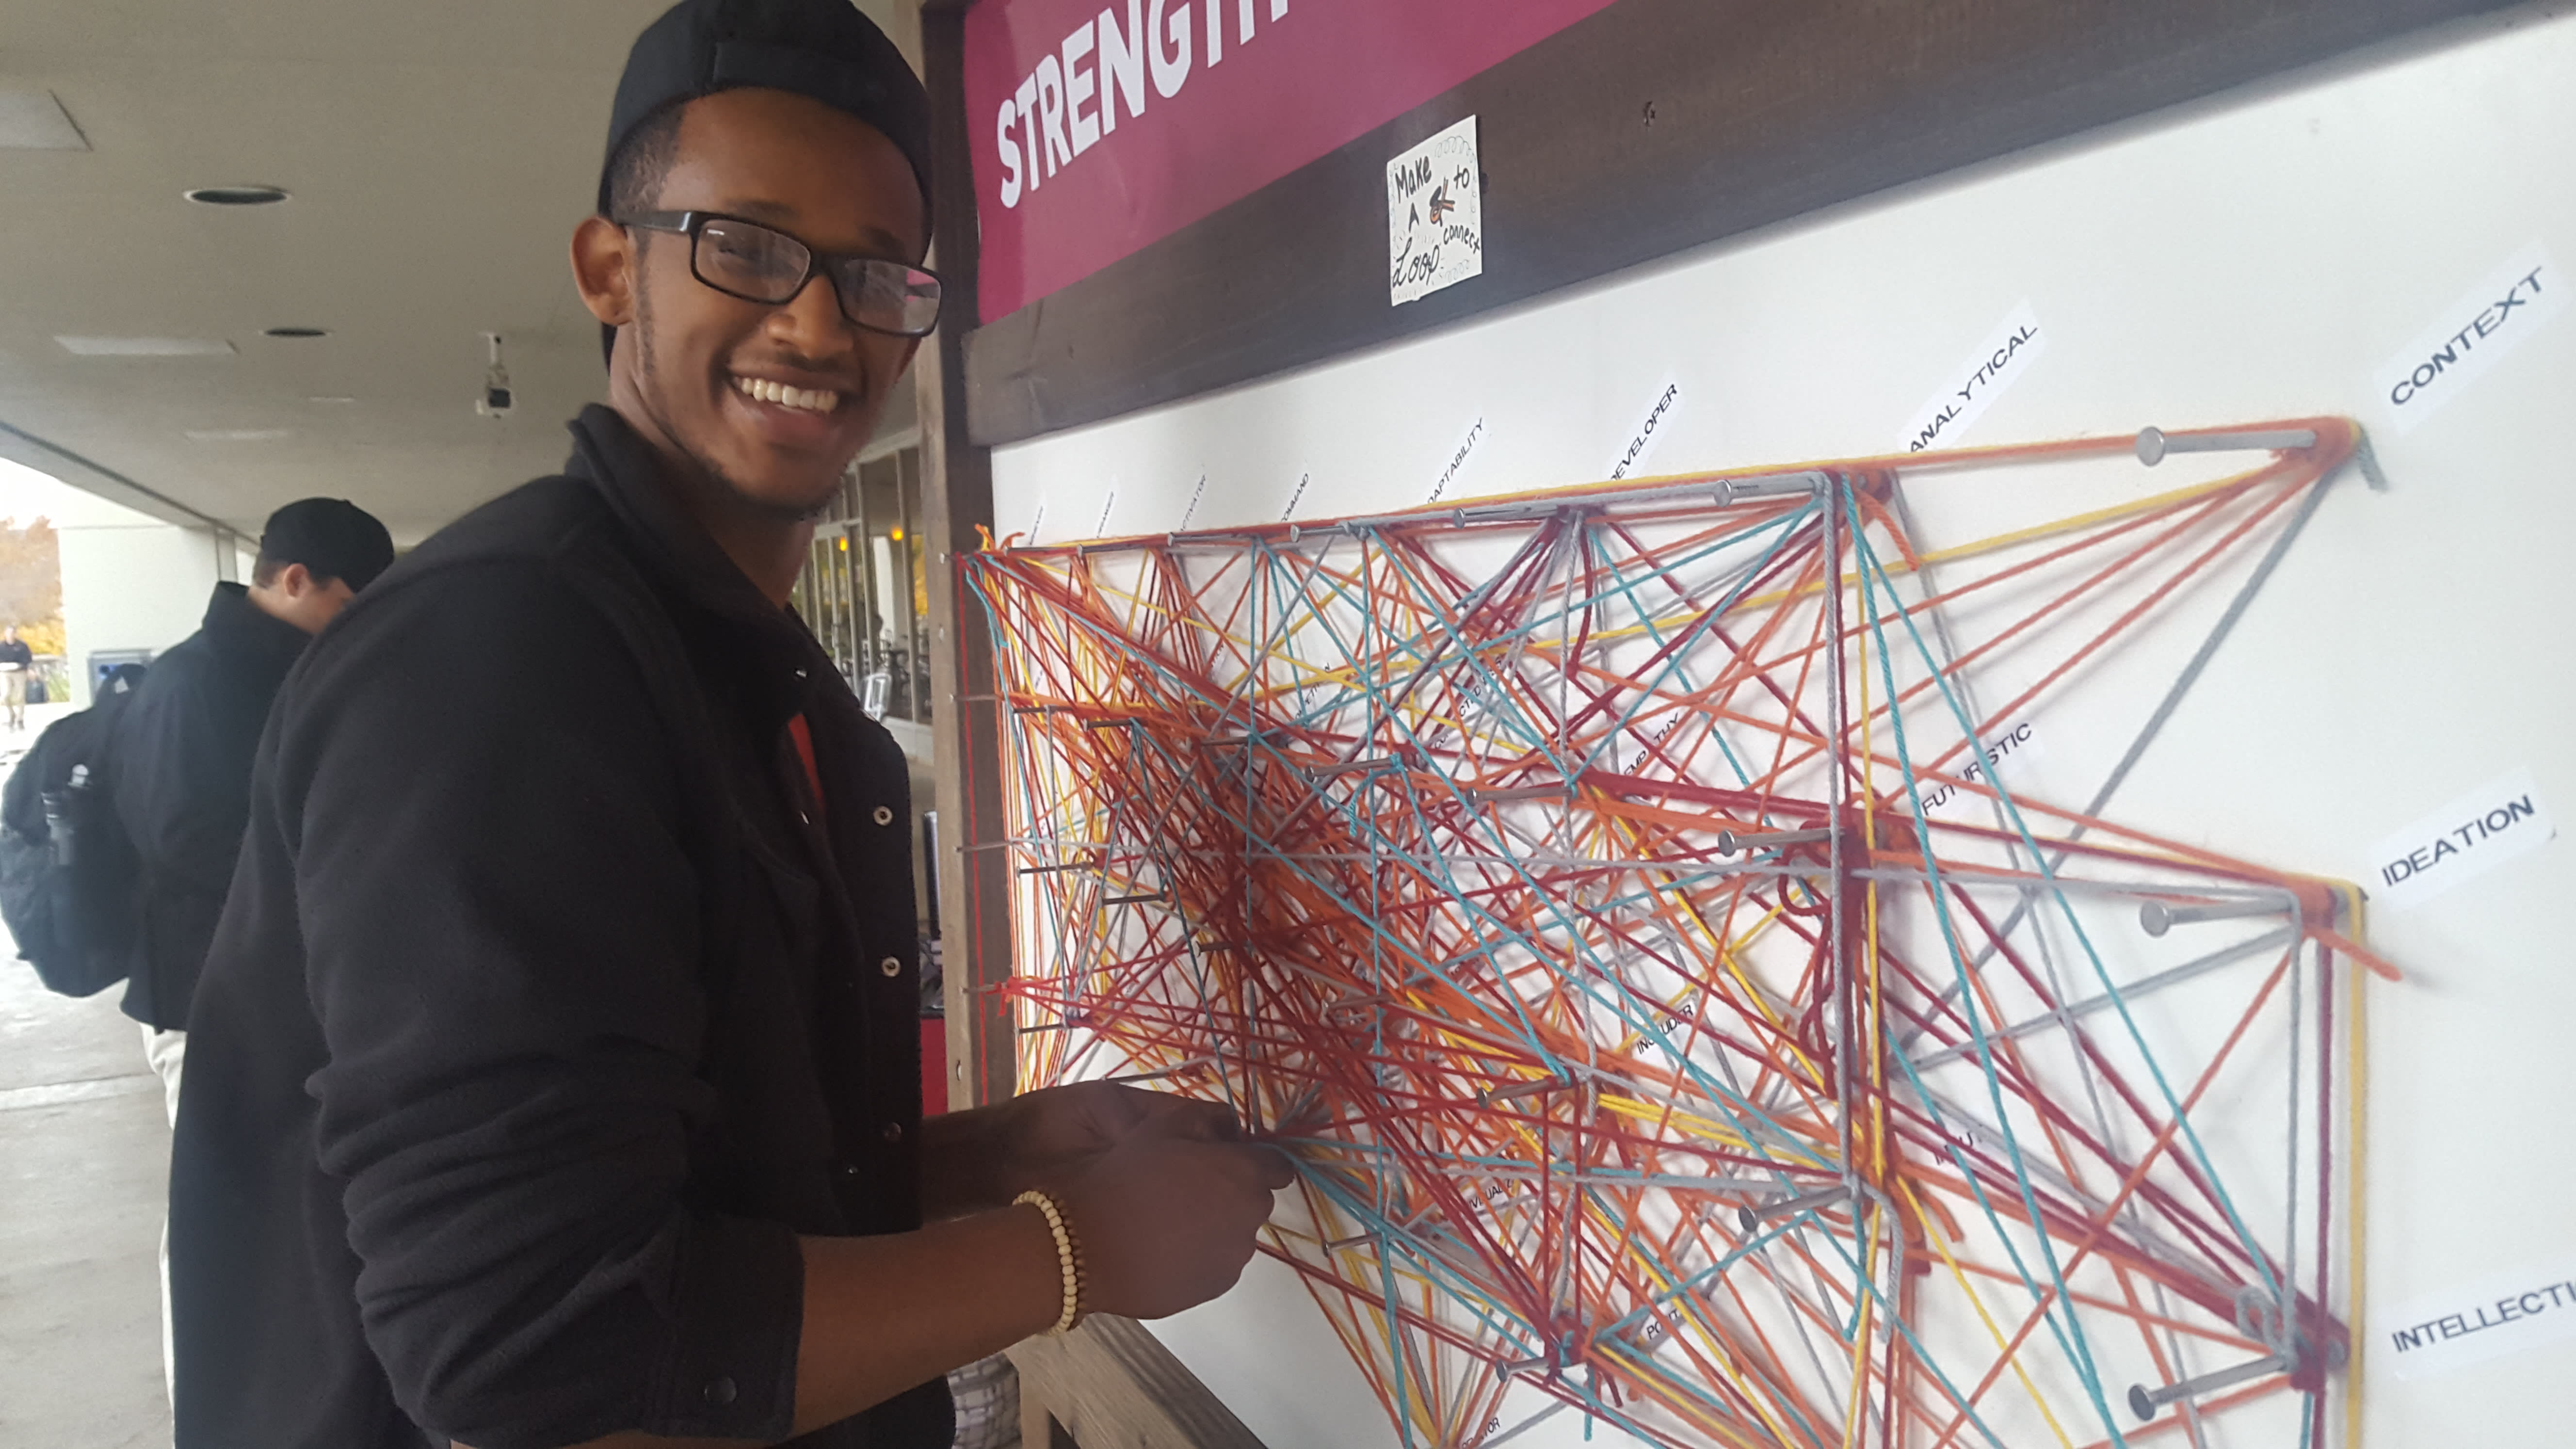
{"type": "Point", "coordinates": [133, 585]}
{"type": "Point", "coordinates": [2260, 257]}
{"type": "Point", "coordinates": [129, 580]}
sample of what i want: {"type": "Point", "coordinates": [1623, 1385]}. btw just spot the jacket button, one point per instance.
{"type": "Point", "coordinates": [893, 1132]}
{"type": "Point", "coordinates": [720, 1391]}
{"type": "Point", "coordinates": [847, 1172]}
{"type": "Point", "coordinates": [892, 966]}
{"type": "Point", "coordinates": [885, 815]}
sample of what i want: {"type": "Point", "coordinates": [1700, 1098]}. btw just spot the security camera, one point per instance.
{"type": "Point", "coordinates": [496, 399]}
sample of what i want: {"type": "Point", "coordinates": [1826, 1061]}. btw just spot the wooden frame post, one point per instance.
{"type": "Point", "coordinates": [966, 719]}
{"type": "Point", "coordinates": [1110, 1380]}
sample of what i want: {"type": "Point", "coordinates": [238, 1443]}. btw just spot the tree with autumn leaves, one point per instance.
{"type": "Point", "coordinates": [31, 583]}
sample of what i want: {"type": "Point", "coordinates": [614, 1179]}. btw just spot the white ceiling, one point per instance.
{"type": "Point", "coordinates": [439, 153]}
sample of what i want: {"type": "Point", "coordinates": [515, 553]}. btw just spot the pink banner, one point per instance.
{"type": "Point", "coordinates": [1100, 130]}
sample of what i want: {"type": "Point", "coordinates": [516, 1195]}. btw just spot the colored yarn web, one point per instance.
{"type": "Point", "coordinates": [1679, 930]}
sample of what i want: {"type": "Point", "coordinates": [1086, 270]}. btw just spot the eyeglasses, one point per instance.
{"type": "Point", "coordinates": [761, 264]}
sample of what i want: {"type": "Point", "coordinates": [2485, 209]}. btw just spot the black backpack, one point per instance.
{"type": "Point", "coordinates": [68, 872]}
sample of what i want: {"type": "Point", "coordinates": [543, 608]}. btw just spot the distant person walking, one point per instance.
{"type": "Point", "coordinates": [16, 660]}
{"type": "Point", "coordinates": [179, 756]}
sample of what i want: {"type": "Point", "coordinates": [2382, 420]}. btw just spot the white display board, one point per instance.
{"type": "Point", "coordinates": [2312, 247]}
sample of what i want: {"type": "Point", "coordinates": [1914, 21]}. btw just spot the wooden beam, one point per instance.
{"type": "Point", "coordinates": [1109, 1384]}
{"type": "Point", "coordinates": [957, 505]}
{"type": "Point", "coordinates": [1039, 1429]}
{"type": "Point", "coordinates": [1652, 127]}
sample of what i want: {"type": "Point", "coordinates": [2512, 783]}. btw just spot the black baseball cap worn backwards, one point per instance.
{"type": "Point", "coordinates": [332, 537]}
{"type": "Point", "coordinates": [822, 49]}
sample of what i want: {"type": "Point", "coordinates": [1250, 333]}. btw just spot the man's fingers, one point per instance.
{"type": "Point", "coordinates": [1214, 1120]}
{"type": "Point", "coordinates": [1188, 1117]}
{"type": "Point", "coordinates": [1259, 1171]}
{"type": "Point", "coordinates": [1120, 1107]}
{"type": "Point", "coordinates": [1277, 1168]}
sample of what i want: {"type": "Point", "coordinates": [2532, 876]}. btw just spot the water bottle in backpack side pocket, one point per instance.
{"type": "Point", "coordinates": [60, 811]}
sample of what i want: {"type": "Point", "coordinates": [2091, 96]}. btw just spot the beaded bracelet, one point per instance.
{"type": "Point", "coordinates": [1068, 1256]}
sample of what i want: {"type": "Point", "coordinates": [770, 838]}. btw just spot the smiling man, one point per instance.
{"type": "Point", "coordinates": [554, 1076]}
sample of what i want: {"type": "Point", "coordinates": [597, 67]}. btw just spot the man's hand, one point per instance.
{"type": "Point", "coordinates": [986, 1157]}
{"type": "Point", "coordinates": [1166, 1219]}
{"type": "Point", "coordinates": [1047, 1132]}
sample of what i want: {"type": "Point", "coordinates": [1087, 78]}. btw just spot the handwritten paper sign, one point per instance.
{"type": "Point", "coordinates": [2472, 335]}
{"type": "Point", "coordinates": [1996, 366]}
{"type": "Point", "coordinates": [2463, 840]}
{"type": "Point", "coordinates": [1435, 216]}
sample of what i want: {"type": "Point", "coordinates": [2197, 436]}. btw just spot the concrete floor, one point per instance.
{"type": "Point", "coordinates": [84, 1153]}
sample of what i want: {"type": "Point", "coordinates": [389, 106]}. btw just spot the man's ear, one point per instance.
{"type": "Point", "coordinates": [294, 581]}
{"type": "Point", "coordinates": [603, 268]}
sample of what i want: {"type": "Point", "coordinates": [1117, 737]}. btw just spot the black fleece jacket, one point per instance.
{"type": "Point", "coordinates": [550, 1005]}
{"type": "Point", "coordinates": [179, 758]}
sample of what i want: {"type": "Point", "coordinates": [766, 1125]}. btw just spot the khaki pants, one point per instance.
{"type": "Point", "coordinates": [166, 1051]}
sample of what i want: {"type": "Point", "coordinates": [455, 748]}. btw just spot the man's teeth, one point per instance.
{"type": "Point", "coordinates": [761, 389]}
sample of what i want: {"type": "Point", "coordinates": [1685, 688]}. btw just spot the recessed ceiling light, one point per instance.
{"type": "Point", "coordinates": [146, 346]}
{"type": "Point", "coordinates": [237, 195]}
{"type": "Point", "coordinates": [295, 332]}
{"type": "Point", "coordinates": [238, 435]}
{"type": "Point", "coordinates": [331, 399]}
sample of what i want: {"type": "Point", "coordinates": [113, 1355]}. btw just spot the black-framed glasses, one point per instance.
{"type": "Point", "coordinates": [763, 264]}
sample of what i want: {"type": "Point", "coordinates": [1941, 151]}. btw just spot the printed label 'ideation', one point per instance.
{"type": "Point", "coordinates": [2461, 841]}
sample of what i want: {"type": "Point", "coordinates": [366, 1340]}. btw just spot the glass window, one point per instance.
{"type": "Point", "coordinates": [864, 591]}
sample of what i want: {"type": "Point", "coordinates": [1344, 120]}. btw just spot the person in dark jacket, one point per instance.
{"type": "Point", "coordinates": [180, 750]}
{"type": "Point", "coordinates": [178, 760]}
{"type": "Point", "coordinates": [555, 1077]}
